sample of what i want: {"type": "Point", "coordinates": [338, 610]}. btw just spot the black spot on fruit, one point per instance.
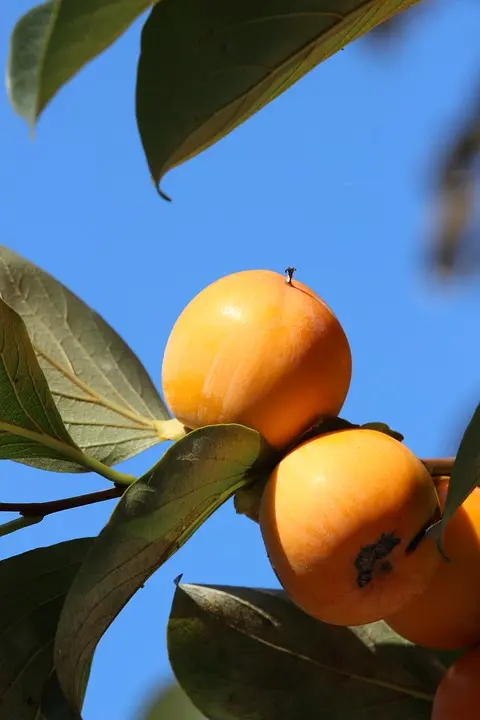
{"type": "Point", "coordinates": [371, 556]}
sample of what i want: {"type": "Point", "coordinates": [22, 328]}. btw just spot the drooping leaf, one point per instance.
{"type": "Point", "coordinates": [154, 518]}
{"type": "Point", "coordinates": [244, 654]}
{"type": "Point", "coordinates": [172, 704]}
{"type": "Point", "coordinates": [465, 474]}
{"type": "Point", "coordinates": [32, 591]}
{"type": "Point", "coordinates": [31, 429]}
{"type": "Point", "coordinates": [54, 40]}
{"type": "Point", "coordinates": [206, 67]}
{"type": "Point", "coordinates": [106, 399]}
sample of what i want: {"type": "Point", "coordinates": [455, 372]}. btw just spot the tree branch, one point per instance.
{"type": "Point", "coordinates": [47, 508]}
{"type": "Point", "coordinates": [439, 466]}
{"type": "Point", "coordinates": [435, 466]}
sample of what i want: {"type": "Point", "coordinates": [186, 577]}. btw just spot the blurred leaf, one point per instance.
{"type": "Point", "coordinates": [205, 69]}
{"type": "Point", "coordinates": [172, 704]}
{"type": "Point", "coordinates": [466, 469]}
{"type": "Point", "coordinates": [54, 40]}
{"type": "Point", "coordinates": [106, 399]}
{"type": "Point", "coordinates": [31, 428]}
{"type": "Point", "coordinates": [245, 654]}
{"type": "Point", "coordinates": [32, 591]}
{"type": "Point", "coordinates": [153, 519]}
{"type": "Point", "coordinates": [456, 194]}
{"type": "Point", "coordinates": [385, 31]}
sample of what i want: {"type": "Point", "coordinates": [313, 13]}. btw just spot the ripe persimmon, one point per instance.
{"type": "Point", "coordinates": [257, 349]}
{"type": "Point", "coordinates": [446, 616]}
{"type": "Point", "coordinates": [458, 694]}
{"type": "Point", "coordinates": [343, 517]}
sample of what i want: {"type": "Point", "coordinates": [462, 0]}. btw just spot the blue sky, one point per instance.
{"type": "Point", "coordinates": [331, 178]}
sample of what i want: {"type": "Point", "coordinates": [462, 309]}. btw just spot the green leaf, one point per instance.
{"type": "Point", "coordinates": [153, 519]}
{"type": "Point", "coordinates": [54, 40]}
{"type": "Point", "coordinates": [107, 401]}
{"type": "Point", "coordinates": [206, 68]}
{"type": "Point", "coordinates": [172, 704]}
{"type": "Point", "coordinates": [245, 654]}
{"type": "Point", "coordinates": [31, 429]}
{"type": "Point", "coordinates": [465, 471]}
{"type": "Point", "coordinates": [32, 591]}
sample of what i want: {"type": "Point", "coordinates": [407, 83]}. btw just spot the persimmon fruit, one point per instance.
{"type": "Point", "coordinates": [258, 349]}
{"type": "Point", "coordinates": [458, 693]}
{"type": "Point", "coordinates": [446, 616]}
{"type": "Point", "coordinates": [343, 519]}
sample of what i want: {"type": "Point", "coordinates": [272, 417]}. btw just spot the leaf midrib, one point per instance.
{"type": "Point", "coordinates": [74, 379]}
{"type": "Point", "coordinates": [305, 658]}
{"type": "Point", "coordinates": [92, 395]}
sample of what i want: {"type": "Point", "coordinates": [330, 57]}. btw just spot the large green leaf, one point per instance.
{"type": "Point", "coordinates": [106, 399]}
{"type": "Point", "coordinates": [31, 429]}
{"type": "Point", "coordinates": [54, 40]}
{"type": "Point", "coordinates": [205, 67]}
{"type": "Point", "coordinates": [172, 704]}
{"type": "Point", "coordinates": [32, 591]}
{"type": "Point", "coordinates": [244, 654]}
{"type": "Point", "coordinates": [154, 518]}
{"type": "Point", "coordinates": [465, 471]}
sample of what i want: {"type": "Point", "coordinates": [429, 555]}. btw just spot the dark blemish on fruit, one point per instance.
{"type": "Point", "coordinates": [370, 556]}
{"type": "Point", "coordinates": [363, 579]}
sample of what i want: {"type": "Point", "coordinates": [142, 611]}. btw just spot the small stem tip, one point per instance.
{"type": "Point", "coordinates": [289, 272]}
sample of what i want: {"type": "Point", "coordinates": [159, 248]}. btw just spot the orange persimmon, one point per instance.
{"type": "Point", "coordinates": [447, 615]}
{"type": "Point", "coordinates": [257, 349]}
{"type": "Point", "coordinates": [343, 517]}
{"type": "Point", "coordinates": [458, 694]}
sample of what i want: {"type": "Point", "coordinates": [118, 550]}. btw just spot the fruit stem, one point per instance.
{"type": "Point", "coordinates": [170, 430]}
{"type": "Point", "coordinates": [289, 271]}
{"type": "Point", "coordinates": [439, 466]}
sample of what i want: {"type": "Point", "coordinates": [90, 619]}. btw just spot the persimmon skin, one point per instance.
{"type": "Point", "coordinates": [447, 615]}
{"type": "Point", "coordinates": [253, 349]}
{"type": "Point", "coordinates": [328, 504]}
{"type": "Point", "coordinates": [458, 694]}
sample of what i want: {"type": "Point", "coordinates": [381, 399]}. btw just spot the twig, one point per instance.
{"type": "Point", "coordinates": [439, 466]}
{"type": "Point", "coordinates": [41, 509]}
{"type": "Point", "coordinates": [18, 524]}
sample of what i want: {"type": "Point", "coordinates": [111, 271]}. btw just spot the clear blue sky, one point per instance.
{"type": "Point", "coordinates": [332, 178]}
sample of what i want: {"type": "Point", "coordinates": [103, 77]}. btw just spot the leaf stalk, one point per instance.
{"type": "Point", "coordinates": [69, 452]}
